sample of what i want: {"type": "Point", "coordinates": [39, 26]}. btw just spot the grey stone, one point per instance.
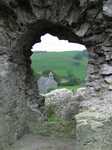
{"type": "Point", "coordinates": [92, 132]}
{"type": "Point", "coordinates": [32, 142]}
{"type": "Point", "coordinates": [83, 29]}
{"type": "Point", "coordinates": [58, 99]}
{"type": "Point", "coordinates": [107, 8]}
{"type": "Point", "coordinates": [58, 96]}
{"type": "Point", "coordinates": [108, 79]}
{"type": "Point", "coordinates": [70, 110]}
{"type": "Point", "coordinates": [80, 94]}
{"type": "Point", "coordinates": [106, 69]}
{"type": "Point", "coordinates": [65, 104]}
{"type": "Point", "coordinates": [110, 87]}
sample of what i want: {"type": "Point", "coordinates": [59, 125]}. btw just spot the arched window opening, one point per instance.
{"type": "Point", "coordinates": [59, 64]}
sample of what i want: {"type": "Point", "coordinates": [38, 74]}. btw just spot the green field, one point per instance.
{"type": "Point", "coordinates": [62, 63]}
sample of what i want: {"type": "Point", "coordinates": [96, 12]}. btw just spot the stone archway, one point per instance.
{"type": "Point", "coordinates": [21, 25]}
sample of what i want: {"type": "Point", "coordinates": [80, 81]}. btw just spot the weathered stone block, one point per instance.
{"type": "Point", "coordinates": [106, 69]}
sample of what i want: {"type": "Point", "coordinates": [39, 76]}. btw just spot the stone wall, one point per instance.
{"type": "Point", "coordinates": [22, 23]}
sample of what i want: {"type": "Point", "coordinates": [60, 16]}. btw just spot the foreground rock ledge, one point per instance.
{"type": "Point", "coordinates": [94, 131]}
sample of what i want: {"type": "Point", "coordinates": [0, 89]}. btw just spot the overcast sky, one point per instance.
{"type": "Point", "coordinates": [52, 43]}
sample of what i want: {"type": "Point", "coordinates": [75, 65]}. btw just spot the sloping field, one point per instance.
{"type": "Point", "coordinates": [62, 63]}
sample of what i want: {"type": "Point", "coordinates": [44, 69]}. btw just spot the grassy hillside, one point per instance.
{"type": "Point", "coordinates": [62, 63]}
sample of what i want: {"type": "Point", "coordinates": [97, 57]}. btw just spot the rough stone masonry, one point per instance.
{"type": "Point", "coordinates": [22, 23]}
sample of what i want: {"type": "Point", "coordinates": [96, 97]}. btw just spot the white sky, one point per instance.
{"type": "Point", "coordinates": [52, 43]}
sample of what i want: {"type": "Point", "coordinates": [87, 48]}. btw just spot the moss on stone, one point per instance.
{"type": "Point", "coordinates": [54, 126]}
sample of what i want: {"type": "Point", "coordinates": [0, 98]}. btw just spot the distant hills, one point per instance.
{"type": "Point", "coordinates": [64, 64]}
